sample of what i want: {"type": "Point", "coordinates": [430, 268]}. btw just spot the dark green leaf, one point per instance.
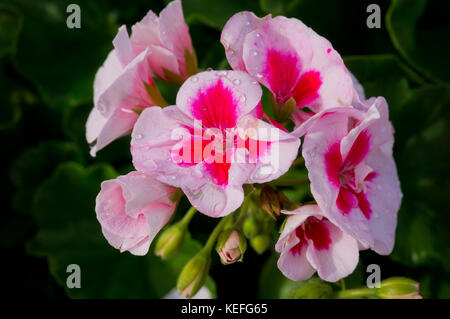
{"type": "Point", "coordinates": [68, 233]}
{"type": "Point", "coordinates": [419, 31]}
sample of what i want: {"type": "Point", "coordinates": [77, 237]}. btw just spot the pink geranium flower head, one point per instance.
{"type": "Point", "coordinates": [309, 242]}
{"type": "Point", "coordinates": [119, 90]}
{"type": "Point", "coordinates": [348, 153]}
{"type": "Point", "coordinates": [210, 143]}
{"type": "Point", "coordinates": [132, 209]}
{"type": "Point", "coordinates": [168, 40]}
{"type": "Point", "coordinates": [290, 59]}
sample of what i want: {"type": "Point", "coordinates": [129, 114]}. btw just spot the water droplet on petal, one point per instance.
{"type": "Point", "coordinates": [255, 53]}
{"type": "Point", "coordinates": [259, 75]}
{"type": "Point", "coordinates": [222, 73]}
{"type": "Point", "coordinates": [139, 136]}
{"type": "Point", "coordinates": [230, 52]}
{"type": "Point", "coordinates": [258, 35]}
{"type": "Point", "coordinates": [195, 79]}
{"type": "Point", "coordinates": [243, 98]}
{"type": "Point", "coordinates": [237, 81]}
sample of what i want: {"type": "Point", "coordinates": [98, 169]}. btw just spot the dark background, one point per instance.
{"type": "Point", "coordinates": [49, 181]}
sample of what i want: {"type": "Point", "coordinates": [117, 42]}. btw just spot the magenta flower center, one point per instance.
{"type": "Point", "coordinates": [341, 173]}
{"type": "Point", "coordinates": [315, 230]}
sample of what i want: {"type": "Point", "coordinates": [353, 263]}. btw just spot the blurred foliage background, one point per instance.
{"type": "Point", "coordinates": [49, 181]}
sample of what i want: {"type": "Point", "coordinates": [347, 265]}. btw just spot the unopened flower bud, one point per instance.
{"type": "Point", "coordinates": [194, 274]}
{"type": "Point", "coordinates": [260, 243]}
{"type": "Point", "coordinates": [170, 241]}
{"type": "Point", "coordinates": [231, 246]}
{"type": "Point", "coordinates": [398, 288]}
{"type": "Point", "coordinates": [251, 227]}
{"type": "Point", "coordinates": [270, 202]}
{"type": "Point", "coordinates": [314, 288]}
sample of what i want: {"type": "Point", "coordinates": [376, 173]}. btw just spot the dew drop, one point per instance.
{"type": "Point", "coordinates": [222, 73]}
{"type": "Point", "coordinates": [258, 35]}
{"type": "Point", "coordinates": [237, 81]}
{"type": "Point", "coordinates": [243, 98]}
{"type": "Point", "coordinates": [139, 136]}
{"type": "Point", "coordinates": [255, 53]}
{"type": "Point", "coordinates": [195, 79]}
{"type": "Point", "coordinates": [230, 52]}
{"type": "Point", "coordinates": [259, 75]}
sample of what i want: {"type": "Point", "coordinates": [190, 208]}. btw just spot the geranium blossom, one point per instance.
{"type": "Point", "coordinates": [290, 59]}
{"type": "Point", "coordinates": [168, 40]}
{"type": "Point", "coordinates": [210, 144]}
{"type": "Point", "coordinates": [123, 86]}
{"type": "Point", "coordinates": [309, 242]}
{"type": "Point", "coordinates": [348, 153]}
{"type": "Point", "coordinates": [119, 90]}
{"type": "Point", "coordinates": [132, 209]}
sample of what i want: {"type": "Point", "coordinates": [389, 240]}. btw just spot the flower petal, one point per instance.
{"type": "Point", "coordinates": [275, 53]}
{"type": "Point", "coordinates": [174, 32]}
{"type": "Point", "coordinates": [339, 260]}
{"type": "Point", "coordinates": [234, 33]}
{"type": "Point", "coordinates": [215, 200]}
{"type": "Point", "coordinates": [218, 98]}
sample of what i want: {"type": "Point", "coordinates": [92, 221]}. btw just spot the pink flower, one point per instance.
{"type": "Point", "coordinates": [210, 144]}
{"type": "Point", "coordinates": [290, 59]}
{"type": "Point", "coordinates": [348, 154]}
{"type": "Point", "coordinates": [132, 209]}
{"type": "Point", "coordinates": [310, 242]}
{"type": "Point", "coordinates": [119, 90]}
{"type": "Point", "coordinates": [168, 41]}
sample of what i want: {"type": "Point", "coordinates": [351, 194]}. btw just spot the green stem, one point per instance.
{"type": "Point", "coordinates": [355, 293]}
{"type": "Point", "coordinates": [212, 238]}
{"type": "Point", "coordinates": [298, 162]}
{"type": "Point", "coordinates": [242, 213]}
{"type": "Point", "coordinates": [289, 182]}
{"type": "Point", "coordinates": [342, 281]}
{"type": "Point", "coordinates": [184, 222]}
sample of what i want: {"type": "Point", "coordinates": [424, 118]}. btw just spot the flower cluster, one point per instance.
{"type": "Point", "coordinates": [219, 147]}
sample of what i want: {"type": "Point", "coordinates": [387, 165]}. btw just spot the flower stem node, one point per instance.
{"type": "Point", "coordinates": [282, 111]}
{"type": "Point", "coordinates": [398, 288]}
{"type": "Point", "coordinates": [231, 246]}
{"type": "Point", "coordinates": [194, 274]}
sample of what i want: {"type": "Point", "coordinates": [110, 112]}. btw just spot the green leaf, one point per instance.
{"type": "Point", "coordinates": [272, 283]}
{"type": "Point", "coordinates": [422, 232]}
{"type": "Point", "coordinates": [216, 12]}
{"type": "Point", "coordinates": [278, 7]}
{"type": "Point", "coordinates": [35, 165]}
{"type": "Point", "coordinates": [419, 31]}
{"type": "Point", "coordinates": [62, 62]}
{"type": "Point", "coordinates": [383, 75]}
{"type": "Point", "coordinates": [341, 22]}
{"type": "Point", "coordinates": [68, 233]}
{"type": "Point", "coordinates": [10, 23]}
